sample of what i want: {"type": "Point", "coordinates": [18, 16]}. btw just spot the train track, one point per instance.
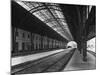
{"type": "Point", "coordinates": [55, 62]}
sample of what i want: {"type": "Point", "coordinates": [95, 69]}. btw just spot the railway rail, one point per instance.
{"type": "Point", "coordinates": [55, 62]}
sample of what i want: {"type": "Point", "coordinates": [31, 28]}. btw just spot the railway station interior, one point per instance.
{"type": "Point", "coordinates": [52, 37]}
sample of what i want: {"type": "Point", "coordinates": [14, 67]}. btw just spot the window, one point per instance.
{"type": "Point", "coordinates": [28, 36]}
{"type": "Point", "coordinates": [16, 46]}
{"type": "Point", "coordinates": [16, 33]}
{"type": "Point", "coordinates": [23, 46]}
{"type": "Point", "coordinates": [23, 35]}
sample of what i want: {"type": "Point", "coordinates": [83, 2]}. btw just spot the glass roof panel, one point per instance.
{"type": "Point", "coordinates": [35, 4]}
{"type": "Point", "coordinates": [37, 9]}
{"type": "Point", "coordinates": [57, 14]}
{"type": "Point", "coordinates": [54, 7]}
{"type": "Point", "coordinates": [53, 23]}
{"type": "Point", "coordinates": [52, 4]}
{"type": "Point", "coordinates": [22, 4]}
{"type": "Point", "coordinates": [54, 13]}
{"type": "Point", "coordinates": [39, 15]}
{"type": "Point", "coordinates": [28, 4]}
{"type": "Point", "coordinates": [46, 14]}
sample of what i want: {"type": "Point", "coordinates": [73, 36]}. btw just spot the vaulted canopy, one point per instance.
{"type": "Point", "coordinates": [49, 13]}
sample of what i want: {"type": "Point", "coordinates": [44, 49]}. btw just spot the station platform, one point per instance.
{"type": "Point", "coordinates": [22, 59]}
{"type": "Point", "coordinates": [76, 62]}
{"type": "Point", "coordinates": [59, 61]}
{"type": "Point", "coordinates": [51, 61]}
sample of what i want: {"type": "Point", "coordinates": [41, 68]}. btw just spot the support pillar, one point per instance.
{"type": "Point", "coordinates": [84, 36]}
{"type": "Point", "coordinates": [84, 50]}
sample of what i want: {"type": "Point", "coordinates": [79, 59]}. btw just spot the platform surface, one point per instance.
{"type": "Point", "coordinates": [76, 62]}
{"type": "Point", "coordinates": [22, 59]}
